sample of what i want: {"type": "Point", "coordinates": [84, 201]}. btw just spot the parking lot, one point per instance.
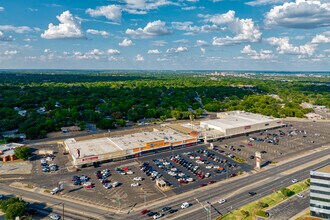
{"type": "Point", "coordinates": [183, 169]}
{"type": "Point", "coordinates": [277, 144]}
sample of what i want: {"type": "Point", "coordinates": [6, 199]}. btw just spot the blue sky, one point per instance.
{"type": "Point", "coordinates": [166, 34]}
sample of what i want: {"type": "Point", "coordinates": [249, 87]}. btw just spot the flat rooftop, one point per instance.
{"type": "Point", "coordinates": [9, 149]}
{"type": "Point", "coordinates": [325, 169]}
{"type": "Point", "coordinates": [107, 145]}
{"type": "Point", "coordinates": [238, 119]}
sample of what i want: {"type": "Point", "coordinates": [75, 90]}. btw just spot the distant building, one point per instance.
{"type": "Point", "coordinates": [7, 151]}
{"type": "Point", "coordinates": [320, 192]}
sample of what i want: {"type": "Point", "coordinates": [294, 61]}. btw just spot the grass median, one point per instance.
{"type": "Point", "coordinates": [251, 210]}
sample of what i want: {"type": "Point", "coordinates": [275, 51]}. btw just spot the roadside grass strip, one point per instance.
{"type": "Point", "coordinates": [249, 211]}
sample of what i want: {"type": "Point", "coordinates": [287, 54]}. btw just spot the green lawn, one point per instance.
{"type": "Point", "coordinates": [270, 200]}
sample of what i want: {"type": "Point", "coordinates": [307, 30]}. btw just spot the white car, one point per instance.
{"type": "Point", "coordinates": [208, 167]}
{"type": "Point", "coordinates": [135, 184]}
{"type": "Point", "coordinates": [55, 190]}
{"type": "Point", "coordinates": [185, 205]}
{"type": "Point", "coordinates": [190, 179]}
{"type": "Point", "coordinates": [138, 178]}
{"type": "Point", "coordinates": [157, 216]}
{"type": "Point", "coordinates": [300, 195]}
{"type": "Point", "coordinates": [115, 184]}
{"type": "Point", "coordinates": [55, 216]}
{"type": "Point", "coordinates": [294, 181]}
{"type": "Point", "coordinates": [221, 201]}
{"type": "Point", "coordinates": [129, 172]}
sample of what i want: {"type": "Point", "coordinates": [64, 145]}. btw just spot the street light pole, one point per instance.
{"type": "Point", "coordinates": [207, 209]}
{"type": "Point", "coordinates": [63, 210]}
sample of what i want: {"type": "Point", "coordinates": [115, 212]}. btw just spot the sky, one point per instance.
{"type": "Point", "coordinates": [278, 35]}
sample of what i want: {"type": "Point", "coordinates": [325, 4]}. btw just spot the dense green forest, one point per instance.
{"type": "Point", "coordinates": [55, 99]}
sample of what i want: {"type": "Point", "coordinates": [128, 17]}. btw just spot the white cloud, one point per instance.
{"type": "Point", "coordinates": [126, 43]}
{"type": "Point", "coordinates": [89, 55]}
{"type": "Point", "coordinates": [4, 38]}
{"type": "Point", "coordinates": [261, 55]}
{"type": "Point", "coordinates": [69, 27]}
{"type": "Point", "coordinates": [244, 29]}
{"type": "Point", "coordinates": [264, 2]}
{"type": "Point", "coordinates": [159, 43]}
{"type": "Point", "coordinates": [155, 28]}
{"type": "Point", "coordinates": [16, 29]}
{"type": "Point", "coordinates": [139, 58]}
{"type": "Point", "coordinates": [98, 32]}
{"type": "Point", "coordinates": [113, 51]}
{"type": "Point", "coordinates": [321, 38]}
{"type": "Point", "coordinates": [284, 47]}
{"type": "Point", "coordinates": [300, 14]}
{"type": "Point", "coordinates": [203, 50]}
{"type": "Point", "coordinates": [177, 50]}
{"type": "Point", "coordinates": [10, 52]}
{"type": "Point", "coordinates": [154, 51]}
{"type": "Point", "coordinates": [47, 50]}
{"type": "Point", "coordinates": [192, 29]}
{"type": "Point", "coordinates": [143, 6]}
{"type": "Point", "coordinates": [189, 8]}
{"type": "Point", "coordinates": [111, 12]}
{"type": "Point", "coordinates": [202, 43]}
{"type": "Point", "coordinates": [2, 8]}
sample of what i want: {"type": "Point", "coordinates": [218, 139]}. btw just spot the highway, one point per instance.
{"type": "Point", "coordinates": [272, 180]}
{"type": "Point", "coordinates": [235, 191]}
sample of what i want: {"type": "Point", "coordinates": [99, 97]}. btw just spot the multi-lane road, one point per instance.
{"type": "Point", "coordinates": [234, 190]}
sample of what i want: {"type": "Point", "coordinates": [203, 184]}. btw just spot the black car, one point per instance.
{"type": "Point", "coordinates": [173, 211]}
{"type": "Point", "coordinates": [166, 209]}
{"type": "Point", "coordinates": [252, 193]}
{"type": "Point", "coordinates": [251, 157]}
{"type": "Point", "coordinates": [151, 213]}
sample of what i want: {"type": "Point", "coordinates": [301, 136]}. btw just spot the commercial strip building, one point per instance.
{"type": "Point", "coordinates": [232, 123]}
{"type": "Point", "coordinates": [239, 122]}
{"type": "Point", "coordinates": [171, 135]}
{"type": "Point", "coordinates": [113, 148]}
{"type": "Point", "coordinates": [320, 192]}
{"type": "Point", "coordinates": [7, 151]}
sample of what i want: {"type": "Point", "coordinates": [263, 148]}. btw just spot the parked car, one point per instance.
{"type": "Point", "coordinates": [135, 184]}
{"type": "Point", "coordinates": [137, 178]}
{"type": "Point", "coordinates": [115, 184]}
{"type": "Point", "coordinates": [300, 195]}
{"type": "Point", "coordinates": [294, 181]}
{"type": "Point", "coordinates": [173, 211]}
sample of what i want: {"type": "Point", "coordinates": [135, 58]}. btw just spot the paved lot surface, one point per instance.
{"type": "Point", "coordinates": [290, 207]}
{"type": "Point", "coordinates": [15, 168]}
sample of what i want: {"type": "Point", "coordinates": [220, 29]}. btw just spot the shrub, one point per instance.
{"type": "Point", "coordinates": [262, 213]}
{"type": "Point", "coordinates": [287, 192]}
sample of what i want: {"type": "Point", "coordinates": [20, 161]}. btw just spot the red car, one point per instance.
{"type": "Point", "coordinates": [89, 186]}
{"type": "Point", "coordinates": [143, 212]}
